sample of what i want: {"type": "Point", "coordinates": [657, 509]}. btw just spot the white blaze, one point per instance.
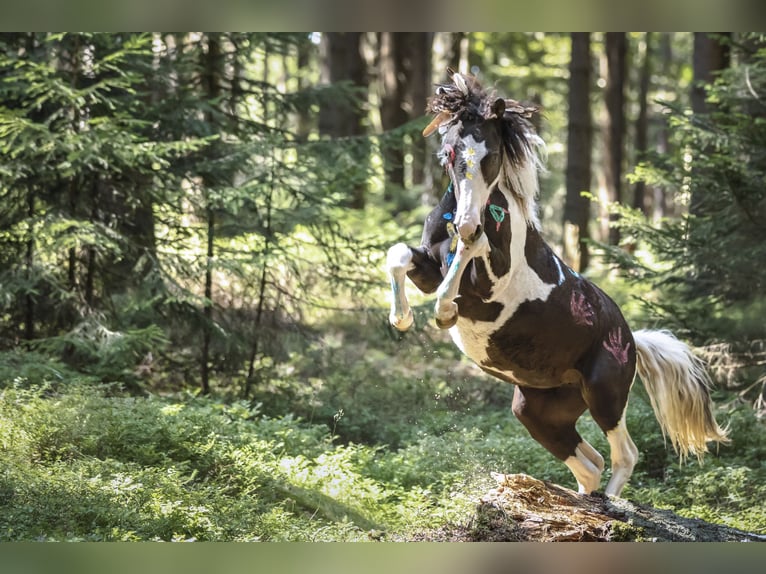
{"type": "Point", "coordinates": [473, 191]}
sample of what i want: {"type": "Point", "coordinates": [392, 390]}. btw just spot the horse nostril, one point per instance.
{"type": "Point", "coordinates": [469, 238]}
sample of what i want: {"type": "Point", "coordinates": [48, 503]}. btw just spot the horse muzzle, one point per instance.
{"type": "Point", "coordinates": [469, 228]}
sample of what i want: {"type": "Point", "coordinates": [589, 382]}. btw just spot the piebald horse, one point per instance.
{"type": "Point", "coordinates": [522, 315]}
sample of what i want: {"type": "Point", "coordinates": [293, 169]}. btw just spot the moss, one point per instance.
{"type": "Point", "coordinates": [625, 532]}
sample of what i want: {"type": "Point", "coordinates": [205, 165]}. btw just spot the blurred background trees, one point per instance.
{"type": "Point", "coordinates": [182, 209]}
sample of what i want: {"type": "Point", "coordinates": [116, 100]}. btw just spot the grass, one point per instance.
{"type": "Point", "coordinates": [87, 463]}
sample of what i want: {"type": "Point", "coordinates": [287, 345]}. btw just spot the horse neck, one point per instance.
{"type": "Point", "coordinates": [512, 246]}
{"type": "Point", "coordinates": [521, 229]}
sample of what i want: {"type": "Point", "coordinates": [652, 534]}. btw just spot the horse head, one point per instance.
{"type": "Point", "coordinates": [486, 141]}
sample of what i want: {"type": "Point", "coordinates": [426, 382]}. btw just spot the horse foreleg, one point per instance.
{"type": "Point", "coordinates": [398, 262]}
{"type": "Point", "coordinates": [446, 308]}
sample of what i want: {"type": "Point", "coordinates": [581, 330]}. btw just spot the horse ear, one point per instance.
{"type": "Point", "coordinates": [498, 108]}
{"type": "Point", "coordinates": [520, 109]}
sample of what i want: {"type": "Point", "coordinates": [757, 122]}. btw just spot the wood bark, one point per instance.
{"type": "Point", "coordinates": [29, 262]}
{"type": "Point", "coordinates": [525, 509]}
{"type": "Point", "coordinates": [212, 86]}
{"type": "Point", "coordinates": [405, 84]}
{"type": "Point", "coordinates": [642, 122]}
{"type": "Point", "coordinates": [579, 147]}
{"type": "Point", "coordinates": [419, 88]}
{"type": "Point", "coordinates": [340, 118]}
{"type": "Point", "coordinates": [711, 55]}
{"type": "Point", "coordinates": [660, 196]}
{"type": "Point", "coordinates": [614, 95]}
{"type": "Point", "coordinates": [393, 95]}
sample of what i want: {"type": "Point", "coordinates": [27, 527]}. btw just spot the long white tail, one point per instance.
{"type": "Point", "coordinates": [679, 390]}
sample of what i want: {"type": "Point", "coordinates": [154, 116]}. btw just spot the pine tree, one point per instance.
{"type": "Point", "coordinates": [709, 274]}
{"type": "Point", "coordinates": [160, 198]}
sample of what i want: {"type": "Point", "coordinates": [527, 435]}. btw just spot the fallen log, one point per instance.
{"type": "Point", "coordinates": [525, 509]}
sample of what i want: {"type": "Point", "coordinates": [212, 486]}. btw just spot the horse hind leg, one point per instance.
{"type": "Point", "coordinates": [624, 455]}
{"type": "Point", "coordinates": [550, 416]}
{"type": "Point", "coordinates": [398, 262]}
{"type": "Point", "coordinates": [586, 464]}
{"type": "Point", "coordinates": [607, 396]}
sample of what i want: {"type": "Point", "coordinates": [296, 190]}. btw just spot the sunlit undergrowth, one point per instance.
{"type": "Point", "coordinates": [388, 436]}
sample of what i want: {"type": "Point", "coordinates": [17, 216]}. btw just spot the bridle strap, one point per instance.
{"type": "Point", "coordinates": [449, 166]}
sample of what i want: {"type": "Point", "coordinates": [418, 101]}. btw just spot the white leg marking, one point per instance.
{"type": "Point", "coordinates": [398, 262]}
{"type": "Point", "coordinates": [624, 457]}
{"type": "Point", "coordinates": [446, 308]}
{"type": "Point", "coordinates": [587, 465]}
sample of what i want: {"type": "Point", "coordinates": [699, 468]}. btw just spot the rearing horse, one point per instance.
{"type": "Point", "coordinates": [522, 314]}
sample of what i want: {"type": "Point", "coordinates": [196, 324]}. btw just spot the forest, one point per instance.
{"type": "Point", "coordinates": [194, 335]}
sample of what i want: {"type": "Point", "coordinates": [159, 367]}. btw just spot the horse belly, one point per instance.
{"type": "Point", "coordinates": [518, 365]}
{"type": "Point", "coordinates": [473, 341]}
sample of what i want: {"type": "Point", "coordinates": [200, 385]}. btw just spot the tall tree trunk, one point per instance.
{"type": "Point", "coordinates": [660, 207]}
{"type": "Point", "coordinates": [642, 122]}
{"type": "Point", "coordinates": [419, 86]}
{"type": "Point", "coordinates": [75, 180]}
{"type": "Point", "coordinates": [405, 74]}
{"type": "Point", "coordinates": [29, 261]}
{"type": "Point", "coordinates": [461, 44]}
{"type": "Point", "coordinates": [342, 61]}
{"type": "Point", "coordinates": [90, 269]}
{"type": "Point", "coordinates": [207, 310]}
{"type": "Point", "coordinates": [711, 55]}
{"type": "Point", "coordinates": [579, 146]}
{"type": "Point", "coordinates": [212, 84]}
{"type": "Point", "coordinates": [304, 117]}
{"type": "Point", "coordinates": [255, 345]}
{"type": "Point", "coordinates": [392, 101]}
{"type": "Point", "coordinates": [72, 252]}
{"type": "Point", "coordinates": [616, 52]}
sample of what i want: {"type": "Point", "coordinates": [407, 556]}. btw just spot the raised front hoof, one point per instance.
{"type": "Point", "coordinates": [402, 323]}
{"type": "Point", "coordinates": [446, 323]}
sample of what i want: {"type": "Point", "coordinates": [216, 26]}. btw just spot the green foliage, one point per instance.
{"type": "Point", "coordinates": [92, 464]}
{"type": "Point", "coordinates": [722, 489]}
{"type": "Point", "coordinates": [159, 187]}
{"type": "Point", "coordinates": [33, 369]}
{"type": "Point", "coordinates": [702, 265]}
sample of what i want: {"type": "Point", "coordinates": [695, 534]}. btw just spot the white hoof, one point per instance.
{"type": "Point", "coordinates": [446, 315]}
{"type": "Point", "coordinates": [402, 323]}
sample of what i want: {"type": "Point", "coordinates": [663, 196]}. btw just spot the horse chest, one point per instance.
{"type": "Point", "coordinates": [474, 336]}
